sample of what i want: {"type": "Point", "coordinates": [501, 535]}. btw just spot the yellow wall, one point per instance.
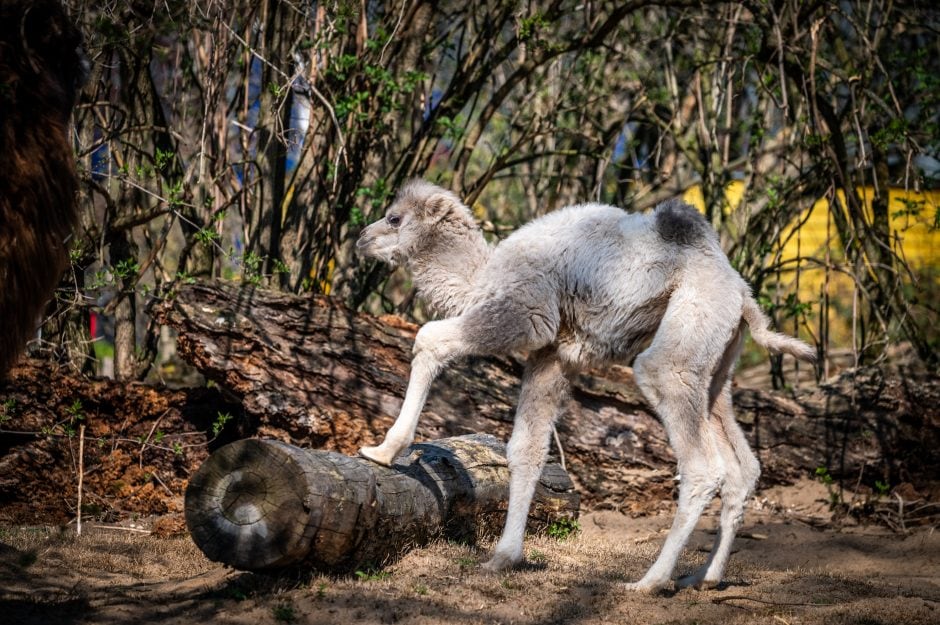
{"type": "Point", "coordinates": [913, 236]}
{"type": "Point", "coordinates": [920, 242]}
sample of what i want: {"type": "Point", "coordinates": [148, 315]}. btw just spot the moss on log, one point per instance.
{"type": "Point", "coordinates": [264, 504]}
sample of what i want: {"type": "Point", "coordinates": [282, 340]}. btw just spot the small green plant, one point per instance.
{"type": "Point", "coordinates": [251, 265]}
{"type": "Point", "coordinates": [76, 413]}
{"type": "Point", "coordinates": [892, 133]}
{"type": "Point", "coordinates": [564, 528]}
{"type": "Point", "coordinates": [7, 409]}
{"type": "Point", "coordinates": [284, 613]}
{"type": "Point", "coordinates": [352, 105]}
{"type": "Point", "coordinates": [909, 208]}
{"type": "Point", "coordinates": [822, 474]}
{"type": "Point", "coordinates": [538, 557]}
{"type": "Point", "coordinates": [75, 253]}
{"type": "Point", "coordinates": [882, 488]}
{"type": "Point", "coordinates": [143, 171]}
{"type": "Point", "coordinates": [465, 562]}
{"type": "Point", "coordinates": [453, 128]}
{"type": "Point", "coordinates": [377, 194]}
{"type": "Point", "coordinates": [356, 218]}
{"type": "Point", "coordinates": [220, 420]}
{"type": "Point", "coordinates": [99, 280]}
{"type": "Point", "coordinates": [278, 91]}
{"type": "Point", "coordinates": [372, 575]}
{"type": "Point", "coordinates": [126, 268]}
{"type": "Point", "coordinates": [321, 590]}
{"type": "Point", "coordinates": [207, 236]}
{"type": "Point", "coordinates": [421, 589]}
{"type": "Point", "coordinates": [175, 194]}
{"type": "Point", "coordinates": [162, 158]}
{"type": "Point", "coordinates": [793, 307]}
{"type": "Point", "coordinates": [185, 278]}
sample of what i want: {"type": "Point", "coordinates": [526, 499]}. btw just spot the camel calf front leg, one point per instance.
{"type": "Point", "coordinates": [437, 343]}
{"type": "Point", "coordinates": [543, 395]}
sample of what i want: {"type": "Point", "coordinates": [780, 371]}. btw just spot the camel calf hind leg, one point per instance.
{"type": "Point", "coordinates": [742, 471]}
{"type": "Point", "coordinates": [690, 355]}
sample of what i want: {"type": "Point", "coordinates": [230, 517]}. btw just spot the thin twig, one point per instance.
{"type": "Point", "coordinates": [119, 528]}
{"type": "Point", "coordinates": [316, 92]}
{"type": "Point", "coordinates": [161, 483]}
{"type": "Point", "coordinates": [561, 451]}
{"type": "Point", "coordinates": [901, 512]}
{"type": "Point", "coordinates": [145, 442]}
{"type": "Point", "coordinates": [401, 15]}
{"type": "Point", "coordinates": [81, 474]}
{"type": "Point", "coordinates": [765, 602]}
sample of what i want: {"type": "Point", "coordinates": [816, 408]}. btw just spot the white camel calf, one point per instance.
{"type": "Point", "coordinates": [579, 287]}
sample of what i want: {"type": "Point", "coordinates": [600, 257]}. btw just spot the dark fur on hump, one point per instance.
{"type": "Point", "coordinates": [678, 222]}
{"type": "Point", "coordinates": [41, 71]}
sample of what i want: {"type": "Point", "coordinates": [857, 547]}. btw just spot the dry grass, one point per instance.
{"type": "Point", "coordinates": [789, 574]}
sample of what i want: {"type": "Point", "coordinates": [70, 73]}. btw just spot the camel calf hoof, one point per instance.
{"type": "Point", "coordinates": [500, 562]}
{"type": "Point", "coordinates": [645, 588]}
{"type": "Point", "coordinates": [379, 455]}
{"type": "Point", "coordinates": [693, 581]}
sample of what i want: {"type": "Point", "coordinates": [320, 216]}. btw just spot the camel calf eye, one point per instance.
{"type": "Point", "coordinates": [393, 220]}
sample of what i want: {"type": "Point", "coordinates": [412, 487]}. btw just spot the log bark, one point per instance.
{"type": "Point", "coordinates": [263, 504]}
{"type": "Point", "coordinates": [312, 372]}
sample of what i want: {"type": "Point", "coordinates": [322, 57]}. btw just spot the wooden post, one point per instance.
{"type": "Point", "coordinates": [263, 504]}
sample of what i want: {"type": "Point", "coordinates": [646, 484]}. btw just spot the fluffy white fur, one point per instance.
{"type": "Point", "coordinates": [579, 287]}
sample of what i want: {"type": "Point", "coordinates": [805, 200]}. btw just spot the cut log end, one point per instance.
{"type": "Point", "coordinates": [246, 506]}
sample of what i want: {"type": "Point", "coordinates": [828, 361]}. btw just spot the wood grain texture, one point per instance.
{"type": "Point", "coordinates": [263, 504]}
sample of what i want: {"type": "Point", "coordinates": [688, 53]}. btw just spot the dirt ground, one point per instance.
{"type": "Point", "coordinates": [790, 567]}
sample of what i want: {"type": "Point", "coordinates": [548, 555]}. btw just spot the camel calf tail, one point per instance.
{"type": "Point", "coordinates": [776, 342]}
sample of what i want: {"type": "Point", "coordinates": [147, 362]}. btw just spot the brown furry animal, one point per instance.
{"type": "Point", "coordinates": [41, 71]}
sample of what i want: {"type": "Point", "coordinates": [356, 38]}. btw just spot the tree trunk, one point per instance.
{"type": "Point", "coordinates": [313, 372]}
{"type": "Point", "coordinates": [263, 504]}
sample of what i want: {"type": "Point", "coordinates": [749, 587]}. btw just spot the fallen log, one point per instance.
{"type": "Point", "coordinates": [310, 371]}
{"type": "Point", "coordinates": [263, 504]}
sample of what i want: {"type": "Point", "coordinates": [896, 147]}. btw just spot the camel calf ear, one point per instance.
{"type": "Point", "coordinates": [434, 208]}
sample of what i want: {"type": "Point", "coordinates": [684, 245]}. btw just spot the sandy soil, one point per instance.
{"type": "Point", "coordinates": [790, 567]}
